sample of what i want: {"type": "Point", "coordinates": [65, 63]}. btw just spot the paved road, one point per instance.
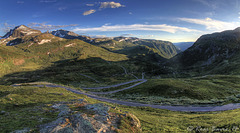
{"type": "Point", "coordinates": [111, 86]}
{"type": "Point", "coordinates": [172, 108]}
{"type": "Point", "coordinates": [110, 92]}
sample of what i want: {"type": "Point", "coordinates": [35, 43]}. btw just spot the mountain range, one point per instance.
{"type": "Point", "coordinates": [26, 49]}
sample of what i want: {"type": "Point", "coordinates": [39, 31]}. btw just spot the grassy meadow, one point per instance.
{"type": "Point", "coordinates": [28, 106]}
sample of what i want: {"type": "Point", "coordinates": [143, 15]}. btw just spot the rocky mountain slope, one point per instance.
{"type": "Point", "coordinates": [212, 53]}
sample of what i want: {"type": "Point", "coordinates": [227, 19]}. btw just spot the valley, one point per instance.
{"type": "Point", "coordinates": [168, 90]}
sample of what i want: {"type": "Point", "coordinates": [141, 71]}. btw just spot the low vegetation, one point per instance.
{"type": "Point", "coordinates": [27, 106]}
{"type": "Point", "coordinates": [212, 89]}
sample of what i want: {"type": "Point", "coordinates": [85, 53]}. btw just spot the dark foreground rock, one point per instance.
{"type": "Point", "coordinates": [81, 117]}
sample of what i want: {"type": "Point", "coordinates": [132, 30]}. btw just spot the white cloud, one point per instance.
{"type": "Point", "coordinates": [110, 5]}
{"type": "Point", "coordinates": [134, 27]}
{"type": "Point", "coordinates": [44, 26]}
{"type": "Point", "coordinates": [89, 12]}
{"type": "Point", "coordinates": [98, 36]}
{"type": "Point", "coordinates": [212, 24]}
{"type": "Point", "coordinates": [62, 8]}
{"type": "Point", "coordinates": [89, 4]}
{"type": "Point", "coordinates": [127, 35]}
{"type": "Point", "coordinates": [146, 36]}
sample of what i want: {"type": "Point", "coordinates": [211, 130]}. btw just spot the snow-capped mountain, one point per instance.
{"type": "Point", "coordinates": [21, 31]}
{"type": "Point", "coordinates": [64, 34]}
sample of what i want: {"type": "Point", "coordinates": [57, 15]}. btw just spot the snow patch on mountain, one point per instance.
{"type": "Point", "coordinates": [70, 45]}
{"type": "Point", "coordinates": [44, 41]}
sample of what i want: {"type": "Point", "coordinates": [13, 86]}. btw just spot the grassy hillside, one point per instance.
{"type": "Point", "coordinates": [66, 49]}
{"type": "Point", "coordinates": [215, 89]}
{"type": "Point", "coordinates": [78, 63]}
{"type": "Point", "coordinates": [13, 59]}
{"type": "Point", "coordinates": [48, 53]}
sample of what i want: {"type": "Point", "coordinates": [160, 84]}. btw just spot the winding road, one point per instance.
{"type": "Point", "coordinates": [111, 86]}
{"type": "Point", "coordinates": [110, 92]}
{"type": "Point", "coordinates": [172, 108]}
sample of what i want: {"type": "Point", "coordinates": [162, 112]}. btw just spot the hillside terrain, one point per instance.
{"type": "Point", "coordinates": [216, 53]}
{"type": "Point", "coordinates": [51, 55]}
{"type": "Point", "coordinates": [124, 68]}
{"type": "Point", "coordinates": [164, 48]}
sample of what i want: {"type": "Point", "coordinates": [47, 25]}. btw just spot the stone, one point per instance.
{"type": "Point", "coordinates": [3, 112]}
{"type": "Point", "coordinates": [64, 110]}
{"type": "Point", "coordinates": [100, 118]}
{"type": "Point", "coordinates": [99, 108]}
{"type": "Point", "coordinates": [53, 126]}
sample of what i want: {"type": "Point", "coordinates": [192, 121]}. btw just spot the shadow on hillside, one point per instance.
{"type": "Point", "coordinates": [75, 71]}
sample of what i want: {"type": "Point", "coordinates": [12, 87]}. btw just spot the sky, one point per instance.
{"type": "Point", "coordinates": [169, 20]}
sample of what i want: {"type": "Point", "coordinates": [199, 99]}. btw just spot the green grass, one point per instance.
{"type": "Point", "coordinates": [157, 120]}
{"type": "Point", "coordinates": [30, 106]}
{"type": "Point", "coordinates": [27, 106]}
{"type": "Point", "coordinates": [199, 90]}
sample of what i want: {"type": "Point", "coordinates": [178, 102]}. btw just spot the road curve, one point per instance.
{"type": "Point", "coordinates": [172, 108]}
{"type": "Point", "coordinates": [111, 92]}
{"type": "Point", "coordinates": [111, 86]}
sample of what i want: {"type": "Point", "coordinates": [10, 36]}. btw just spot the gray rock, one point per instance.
{"type": "Point", "coordinates": [53, 127]}
{"type": "Point", "coordinates": [101, 118]}
{"type": "Point", "coordinates": [99, 108]}
{"type": "Point", "coordinates": [82, 125]}
{"type": "Point", "coordinates": [64, 110]}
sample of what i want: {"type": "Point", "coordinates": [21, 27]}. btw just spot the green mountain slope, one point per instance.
{"type": "Point", "coordinates": [164, 48]}
{"type": "Point", "coordinates": [216, 53]}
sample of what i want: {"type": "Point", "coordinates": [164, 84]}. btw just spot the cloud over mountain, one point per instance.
{"type": "Point", "coordinates": [211, 24]}
{"type": "Point", "coordinates": [89, 12]}
{"type": "Point", "coordinates": [134, 27]}
{"type": "Point", "coordinates": [44, 26]}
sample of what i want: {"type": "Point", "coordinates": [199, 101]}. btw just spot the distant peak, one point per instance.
{"type": "Point", "coordinates": [23, 27]}
{"type": "Point", "coordinates": [20, 31]}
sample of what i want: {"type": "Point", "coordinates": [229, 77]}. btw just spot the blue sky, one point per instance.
{"type": "Point", "coordinates": [171, 20]}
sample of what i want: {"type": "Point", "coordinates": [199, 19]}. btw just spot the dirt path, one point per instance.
{"type": "Point", "coordinates": [172, 108]}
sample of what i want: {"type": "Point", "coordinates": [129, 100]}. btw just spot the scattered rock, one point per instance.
{"type": "Point", "coordinates": [73, 121]}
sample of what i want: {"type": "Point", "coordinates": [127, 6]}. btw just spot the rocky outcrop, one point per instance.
{"type": "Point", "coordinates": [87, 118]}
